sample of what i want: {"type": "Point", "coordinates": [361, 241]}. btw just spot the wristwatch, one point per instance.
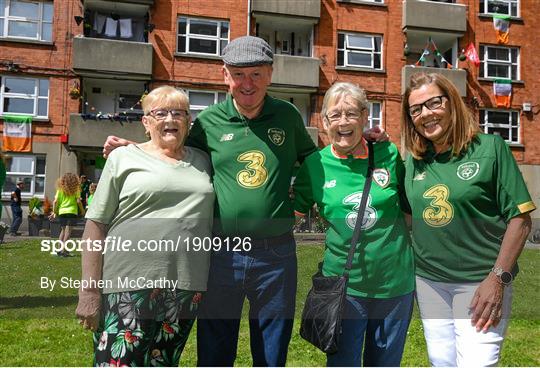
{"type": "Point", "coordinates": [504, 277]}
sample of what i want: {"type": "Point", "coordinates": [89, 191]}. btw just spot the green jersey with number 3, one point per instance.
{"type": "Point", "coordinates": [383, 263]}
{"type": "Point", "coordinates": [253, 161]}
{"type": "Point", "coordinates": [461, 207]}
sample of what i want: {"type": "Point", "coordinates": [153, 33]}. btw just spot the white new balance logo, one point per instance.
{"type": "Point", "coordinates": [330, 184]}
{"type": "Point", "coordinates": [227, 137]}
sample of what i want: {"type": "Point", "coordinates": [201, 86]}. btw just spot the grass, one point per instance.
{"type": "Point", "coordinates": [38, 327]}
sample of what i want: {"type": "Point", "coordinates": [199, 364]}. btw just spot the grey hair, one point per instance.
{"type": "Point", "coordinates": [166, 96]}
{"type": "Point", "coordinates": [342, 89]}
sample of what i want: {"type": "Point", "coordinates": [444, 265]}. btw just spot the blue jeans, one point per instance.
{"type": "Point", "coordinates": [378, 327]}
{"type": "Point", "coordinates": [267, 277]}
{"type": "Point", "coordinates": [16, 210]}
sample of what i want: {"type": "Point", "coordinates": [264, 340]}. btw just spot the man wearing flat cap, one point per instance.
{"type": "Point", "coordinates": [254, 141]}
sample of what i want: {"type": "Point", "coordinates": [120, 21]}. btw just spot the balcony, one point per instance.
{"type": "Point", "coordinates": [118, 2]}
{"type": "Point", "coordinates": [297, 71]}
{"type": "Point", "coordinates": [434, 15]}
{"type": "Point", "coordinates": [457, 76]}
{"type": "Point", "coordinates": [304, 8]}
{"type": "Point", "coordinates": [93, 133]}
{"type": "Point", "coordinates": [93, 57]}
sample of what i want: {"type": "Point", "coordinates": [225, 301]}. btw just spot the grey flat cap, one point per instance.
{"type": "Point", "coordinates": [247, 51]}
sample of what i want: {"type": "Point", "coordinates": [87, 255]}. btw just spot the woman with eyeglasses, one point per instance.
{"type": "Point", "coordinates": [140, 279]}
{"type": "Point", "coordinates": [380, 291]}
{"type": "Point", "coordinates": [470, 219]}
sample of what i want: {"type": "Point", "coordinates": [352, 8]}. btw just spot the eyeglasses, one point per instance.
{"type": "Point", "coordinates": [161, 114]}
{"type": "Point", "coordinates": [432, 104]}
{"type": "Point", "coordinates": [351, 115]}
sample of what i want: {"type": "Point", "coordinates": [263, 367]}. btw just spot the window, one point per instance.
{"type": "Point", "coordinates": [359, 50]}
{"type": "Point", "coordinates": [28, 168]}
{"type": "Point", "coordinates": [26, 19]}
{"type": "Point", "coordinates": [202, 36]}
{"type": "Point", "coordinates": [501, 122]}
{"type": "Point", "coordinates": [200, 100]}
{"type": "Point", "coordinates": [29, 96]}
{"type": "Point", "coordinates": [375, 114]}
{"type": "Point", "coordinates": [507, 7]}
{"type": "Point", "coordinates": [499, 62]}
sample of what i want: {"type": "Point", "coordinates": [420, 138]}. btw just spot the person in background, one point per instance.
{"type": "Point", "coordinates": [157, 191]}
{"type": "Point", "coordinates": [91, 192]}
{"type": "Point", "coordinates": [67, 205]}
{"type": "Point", "coordinates": [470, 219]}
{"type": "Point", "coordinates": [85, 189]}
{"type": "Point", "coordinates": [16, 209]}
{"type": "Point", "coordinates": [379, 297]}
{"type": "Point", "coordinates": [2, 178]}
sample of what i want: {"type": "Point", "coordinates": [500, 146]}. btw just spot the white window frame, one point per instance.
{"type": "Point", "coordinates": [513, 123]}
{"type": "Point", "coordinates": [190, 36]}
{"type": "Point", "coordinates": [39, 21]}
{"type": "Point", "coordinates": [31, 191]}
{"type": "Point", "coordinates": [485, 62]}
{"type": "Point", "coordinates": [359, 50]}
{"type": "Point", "coordinates": [34, 96]}
{"type": "Point", "coordinates": [374, 120]}
{"type": "Point", "coordinates": [484, 7]}
{"type": "Point", "coordinates": [196, 109]}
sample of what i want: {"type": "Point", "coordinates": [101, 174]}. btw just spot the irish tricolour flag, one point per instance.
{"type": "Point", "coordinates": [17, 133]}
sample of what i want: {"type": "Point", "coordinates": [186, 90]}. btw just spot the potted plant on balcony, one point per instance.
{"type": "Point", "coordinates": [35, 216]}
{"type": "Point", "coordinates": [75, 92]}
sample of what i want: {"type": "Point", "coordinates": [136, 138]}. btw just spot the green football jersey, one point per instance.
{"type": "Point", "coordinates": [253, 163]}
{"type": "Point", "coordinates": [461, 207]}
{"type": "Point", "coordinates": [383, 262]}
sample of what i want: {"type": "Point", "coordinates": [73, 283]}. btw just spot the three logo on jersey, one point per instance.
{"type": "Point", "coordinates": [381, 177]}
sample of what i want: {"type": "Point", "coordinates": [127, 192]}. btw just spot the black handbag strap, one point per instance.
{"type": "Point", "coordinates": [361, 210]}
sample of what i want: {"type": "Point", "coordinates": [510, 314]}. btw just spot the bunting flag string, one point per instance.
{"type": "Point", "coordinates": [128, 115]}
{"type": "Point", "coordinates": [431, 48]}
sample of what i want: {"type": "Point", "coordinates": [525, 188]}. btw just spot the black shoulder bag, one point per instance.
{"type": "Point", "coordinates": [323, 310]}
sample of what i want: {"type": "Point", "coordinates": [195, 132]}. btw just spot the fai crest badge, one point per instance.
{"type": "Point", "coordinates": [381, 177]}
{"type": "Point", "coordinates": [277, 136]}
{"type": "Point", "coordinates": [468, 170]}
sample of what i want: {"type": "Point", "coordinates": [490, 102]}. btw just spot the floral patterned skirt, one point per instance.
{"type": "Point", "coordinates": [144, 327]}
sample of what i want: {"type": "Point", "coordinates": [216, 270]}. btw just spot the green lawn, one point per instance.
{"type": "Point", "coordinates": [38, 328]}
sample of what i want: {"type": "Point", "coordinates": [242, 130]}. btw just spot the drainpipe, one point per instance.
{"type": "Point", "coordinates": [249, 18]}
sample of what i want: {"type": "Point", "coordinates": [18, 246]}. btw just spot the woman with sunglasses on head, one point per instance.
{"type": "Point", "coordinates": [470, 219]}
{"type": "Point", "coordinates": [379, 297]}
{"type": "Point", "coordinates": [153, 198]}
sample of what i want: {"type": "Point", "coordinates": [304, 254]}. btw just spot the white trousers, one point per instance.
{"type": "Point", "coordinates": [451, 339]}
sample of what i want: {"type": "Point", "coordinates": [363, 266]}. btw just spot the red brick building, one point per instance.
{"type": "Point", "coordinates": [80, 67]}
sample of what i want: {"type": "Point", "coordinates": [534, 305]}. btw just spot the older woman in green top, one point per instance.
{"type": "Point", "coordinates": [153, 201]}
{"type": "Point", "coordinates": [381, 282]}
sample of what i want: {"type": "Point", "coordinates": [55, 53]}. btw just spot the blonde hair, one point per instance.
{"type": "Point", "coordinates": [69, 184]}
{"type": "Point", "coordinates": [341, 89]}
{"type": "Point", "coordinates": [164, 96]}
{"type": "Point", "coordinates": [463, 127]}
